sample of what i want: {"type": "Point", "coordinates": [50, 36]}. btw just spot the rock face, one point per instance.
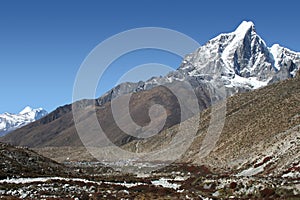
{"type": "Point", "coordinates": [10, 122]}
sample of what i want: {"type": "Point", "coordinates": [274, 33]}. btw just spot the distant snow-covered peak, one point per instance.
{"type": "Point", "coordinates": [27, 109]}
{"type": "Point", "coordinates": [10, 122]}
{"type": "Point", "coordinates": [284, 57]}
{"type": "Point", "coordinates": [276, 50]}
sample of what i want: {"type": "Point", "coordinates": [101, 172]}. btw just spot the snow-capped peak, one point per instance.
{"type": "Point", "coordinates": [276, 46]}
{"type": "Point", "coordinates": [276, 51]}
{"type": "Point", "coordinates": [285, 57]}
{"type": "Point", "coordinates": [244, 27]}
{"type": "Point", "coordinates": [243, 59]}
{"type": "Point", "coordinates": [10, 122]}
{"type": "Point", "coordinates": [242, 37]}
{"type": "Point", "coordinates": [27, 109]}
{"type": "Point", "coordinates": [239, 59]}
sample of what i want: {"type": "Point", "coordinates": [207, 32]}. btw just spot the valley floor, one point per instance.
{"type": "Point", "coordinates": [94, 180]}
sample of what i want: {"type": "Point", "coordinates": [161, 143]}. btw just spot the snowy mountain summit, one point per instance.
{"type": "Point", "coordinates": [243, 59]}
{"type": "Point", "coordinates": [10, 122]}
{"type": "Point", "coordinates": [239, 60]}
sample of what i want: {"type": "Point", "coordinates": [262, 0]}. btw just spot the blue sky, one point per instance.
{"type": "Point", "coordinates": [43, 43]}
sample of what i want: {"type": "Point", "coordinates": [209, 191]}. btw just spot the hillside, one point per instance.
{"type": "Point", "coordinates": [23, 162]}
{"type": "Point", "coordinates": [57, 129]}
{"type": "Point", "coordinates": [262, 128]}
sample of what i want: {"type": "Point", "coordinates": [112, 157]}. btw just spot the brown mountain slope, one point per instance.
{"type": "Point", "coordinates": [260, 124]}
{"type": "Point", "coordinates": [57, 129]}
{"type": "Point", "coordinates": [261, 131]}
{"type": "Point", "coordinates": [262, 128]}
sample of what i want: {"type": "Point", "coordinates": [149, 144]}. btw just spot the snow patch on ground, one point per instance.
{"type": "Point", "coordinates": [44, 179]}
{"type": "Point", "coordinates": [128, 185]}
{"type": "Point", "coordinates": [164, 182]}
{"type": "Point", "coordinates": [292, 175]}
{"type": "Point", "coordinates": [252, 171]}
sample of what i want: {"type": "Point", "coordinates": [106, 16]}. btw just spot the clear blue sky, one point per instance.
{"type": "Point", "coordinates": [43, 43]}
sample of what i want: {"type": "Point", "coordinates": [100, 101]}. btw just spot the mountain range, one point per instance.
{"type": "Point", "coordinates": [10, 122]}
{"type": "Point", "coordinates": [240, 61]}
